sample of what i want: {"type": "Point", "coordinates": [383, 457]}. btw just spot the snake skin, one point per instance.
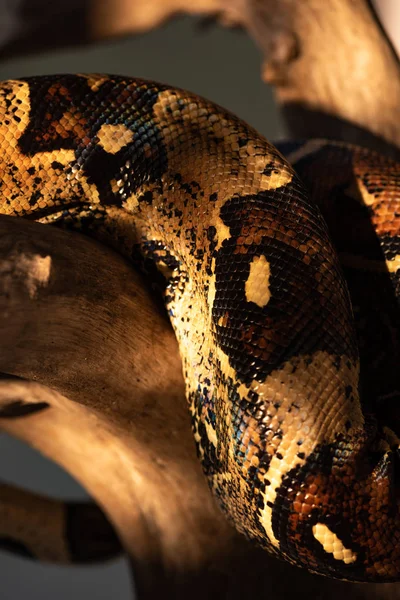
{"type": "Point", "coordinates": [282, 419]}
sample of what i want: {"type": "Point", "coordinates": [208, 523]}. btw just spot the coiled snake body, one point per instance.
{"type": "Point", "coordinates": [254, 291]}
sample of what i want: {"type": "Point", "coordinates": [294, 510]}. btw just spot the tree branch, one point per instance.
{"type": "Point", "coordinates": [332, 67]}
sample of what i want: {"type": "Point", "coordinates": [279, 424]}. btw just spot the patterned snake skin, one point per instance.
{"type": "Point", "coordinates": [282, 419]}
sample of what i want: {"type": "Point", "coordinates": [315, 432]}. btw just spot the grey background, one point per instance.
{"type": "Point", "coordinates": [219, 64]}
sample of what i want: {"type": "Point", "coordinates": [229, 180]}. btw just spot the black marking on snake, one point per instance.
{"type": "Point", "coordinates": [210, 460]}
{"type": "Point", "coordinates": [325, 461]}
{"type": "Point", "coordinates": [20, 408]}
{"type": "Point", "coordinates": [34, 198]}
{"type": "Point", "coordinates": [237, 336]}
{"type": "Point", "coordinates": [270, 168]}
{"type": "Point", "coordinates": [52, 97]}
{"type": "Point", "coordinates": [147, 197]}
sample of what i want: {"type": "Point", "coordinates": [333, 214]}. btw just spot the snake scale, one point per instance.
{"type": "Point", "coordinates": [282, 419]}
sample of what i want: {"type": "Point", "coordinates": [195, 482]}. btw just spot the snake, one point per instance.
{"type": "Point", "coordinates": [280, 276]}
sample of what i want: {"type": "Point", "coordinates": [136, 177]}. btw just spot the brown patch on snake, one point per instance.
{"type": "Point", "coordinates": [286, 430]}
{"type": "Point", "coordinates": [303, 427]}
{"type": "Point", "coordinates": [376, 185]}
{"type": "Point", "coordinates": [43, 180]}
